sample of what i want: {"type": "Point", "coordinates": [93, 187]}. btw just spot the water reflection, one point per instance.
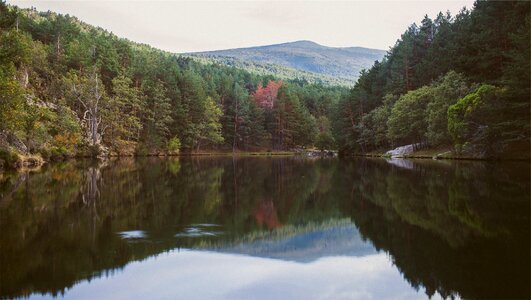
{"type": "Point", "coordinates": [451, 228]}
{"type": "Point", "coordinates": [210, 275]}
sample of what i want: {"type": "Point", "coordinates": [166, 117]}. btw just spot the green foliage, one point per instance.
{"type": "Point", "coordinates": [14, 53]}
{"type": "Point", "coordinates": [210, 127]}
{"type": "Point", "coordinates": [292, 124]}
{"type": "Point", "coordinates": [66, 132]}
{"type": "Point", "coordinates": [69, 88]}
{"type": "Point", "coordinates": [174, 145]}
{"type": "Point", "coordinates": [445, 92]}
{"type": "Point", "coordinates": [407, 123]}
{"type": "Point", "coordinates": [375, 124]}
{"type": "Point", "coordinates": [11, 103]}
{"type": "Point", "coordinates": [325, 139]}
{"type": "Point", "coordinates": [66, 85]}
{"type": "Point", "coordinates": [476, 122]}
{"type": "Point", "coordinates": [9, 158]}
{"type": "Point", "coordinates": [157, 116]}
{"type": "Point", "coordinates": [123, 116]}
{"type": "Point", "coordinates": [434, 64]}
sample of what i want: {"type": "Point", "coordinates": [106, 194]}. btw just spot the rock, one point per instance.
{"type": "Point", "coordinates": [318, 153]}
{"type": "Point", "coordinates": [446, 154]}
{"type": "Point", "coordinates": [402, 150]}
{"type": "Point", "coordinates": [10, 141]}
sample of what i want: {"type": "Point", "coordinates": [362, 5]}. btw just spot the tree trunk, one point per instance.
{"type": "Point", "coordinates": [235, 128]}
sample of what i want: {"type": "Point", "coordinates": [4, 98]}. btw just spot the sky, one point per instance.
{"type": "Point", "coordinates": [189, 26]}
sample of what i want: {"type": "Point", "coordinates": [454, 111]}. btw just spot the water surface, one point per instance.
{"type": "Point", "coordinates": [257, 228]}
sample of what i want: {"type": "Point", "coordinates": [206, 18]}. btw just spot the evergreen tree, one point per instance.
{"type": "Point", "coordinates": [124, 123]}
{"type": "Point", "coordinates": [156, 118]}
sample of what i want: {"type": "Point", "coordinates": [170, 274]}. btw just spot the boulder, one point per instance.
{"type": "Point", "coordinates": [402, 150]}
{"type": "Point", "coordinates": [10, 141]}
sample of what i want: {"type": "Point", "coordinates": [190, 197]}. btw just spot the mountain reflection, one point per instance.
{"type": "Point", "coordinates": [455, 228]}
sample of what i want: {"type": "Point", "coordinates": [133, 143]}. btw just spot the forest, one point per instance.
{"type": "Point", "coordinates": [71, 89]}
{"type": "Point", "coordinates": [460, 82]}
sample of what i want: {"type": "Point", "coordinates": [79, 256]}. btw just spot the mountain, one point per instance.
{"type": "Point", "coordinates": [306, 243]}
{"type": "Point", "coordinates": [306, 56]}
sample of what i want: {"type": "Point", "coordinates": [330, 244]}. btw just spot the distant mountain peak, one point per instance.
{"type": "Point", "coordinates": [304, 43]}
{"type": "Point", "coordinates": [307, 56]}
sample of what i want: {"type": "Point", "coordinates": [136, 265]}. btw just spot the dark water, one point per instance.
{"type": "Point", "coordinates": [266, 228]}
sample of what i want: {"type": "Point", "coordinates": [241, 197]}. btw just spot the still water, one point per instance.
{"type": "Point", "coordinates": [266, 228]}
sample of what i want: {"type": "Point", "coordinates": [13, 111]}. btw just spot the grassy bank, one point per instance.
{"type": "Point", "coordinates": [14, 160]}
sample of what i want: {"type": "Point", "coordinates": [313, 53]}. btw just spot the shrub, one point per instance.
{"type": "Point", "coordinates": [174, 144]}
{"type": "Point", "coordinates": [476, 122]}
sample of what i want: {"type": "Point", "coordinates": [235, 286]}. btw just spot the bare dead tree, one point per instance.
{"type": "Point", "coordinates": [91, 105]}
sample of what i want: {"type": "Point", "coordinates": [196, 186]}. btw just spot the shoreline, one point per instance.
{"type": "Point", "coordinates": [435, 157]}
{"type": "Point", "coordinates": [425, 157]}
{"type": "Point", "coordinates": [32, 162]}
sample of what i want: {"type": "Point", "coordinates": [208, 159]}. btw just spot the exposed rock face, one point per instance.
{"type": "Point", "coordinates": [402, 150]}
{"type": "Point", "coordinates": [10, 141]}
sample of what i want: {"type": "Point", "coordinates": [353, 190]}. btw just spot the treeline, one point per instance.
{"type": "Point", "coordinates": [459, 82]}
{"type": "Point", "coordinates": [68, 88]}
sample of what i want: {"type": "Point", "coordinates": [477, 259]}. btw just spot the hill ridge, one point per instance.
{"type": "Point", "coordinates": [306, 56]}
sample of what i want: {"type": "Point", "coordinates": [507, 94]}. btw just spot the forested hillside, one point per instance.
{"type": "Point", "coordinates": [68, 88]}
{"type": "Point", "coordinates": [276, 70]}
{"type": "Point", "coordinates": [455, 82]}
{"type": "Point", "coordinates": [342, 63]}
{"type": "Point", "coordinates": [460, 81]}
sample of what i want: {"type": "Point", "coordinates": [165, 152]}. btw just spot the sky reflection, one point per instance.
{"type": "Point", "coordinates": [188, 274]}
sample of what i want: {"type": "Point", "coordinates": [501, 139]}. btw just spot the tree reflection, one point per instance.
{"type": "Point", "coordinates": [456, 228]}
{"type": "Point", "coordinates": [461, 229]}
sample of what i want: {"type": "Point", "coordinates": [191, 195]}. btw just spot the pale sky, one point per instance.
{"type": "Point", "coordinates": [187, 26]}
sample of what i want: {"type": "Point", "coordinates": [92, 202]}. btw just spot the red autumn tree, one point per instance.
{"type": "Point", "coordinates": [266, 96]}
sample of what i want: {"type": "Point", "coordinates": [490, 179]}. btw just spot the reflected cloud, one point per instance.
{"type": "Point", "coordinates": [132, 234]}
{"type": "Point", "coordinates": [208, 275]}
{"type": "Point", "coordinates": [198, 232]}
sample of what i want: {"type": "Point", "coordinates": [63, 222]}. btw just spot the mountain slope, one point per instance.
{"type": "Point", "coordinates": [307, 56]}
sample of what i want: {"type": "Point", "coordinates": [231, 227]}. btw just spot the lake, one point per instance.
{"type": "Point", "coordinates": [266, 228]}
